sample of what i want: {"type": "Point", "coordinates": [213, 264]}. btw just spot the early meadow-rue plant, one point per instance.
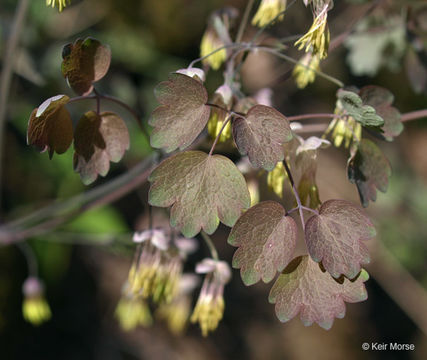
{"type": "Point", "coordinates": [267, 11]}
{"type": "Point", "coordinates": [132, 311]}
{"type": "Point", "coordinates": [305, 71]}
{"type": "Point", "coordinates": [222, 97]}
{"type": "Point", "coordinates": [316, 40]}
{"type": "Point", "coordinates": [157, 268]}
{"type": "Point", "coordinates": [35, 308]}
{"type": "Point", "coordinates": [209, 308]}
{"type": "Point", "coordinates": [60, 3]}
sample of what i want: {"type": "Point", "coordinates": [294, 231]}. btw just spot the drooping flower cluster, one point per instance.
{"type": "Point", "coordinates": [276, 179]}
{"type": "Point", "coordinates": [35, 308]}
{"type": "Point", "coordinates": [316, 40]}
{"type": "Point", "coordinates": [60, 3]}
{"type": "Point", "coordinates": [344, 128]}
{"type": "Point", "coordinates": [305, 71]}
{"type": "Point", "coordinates": [269, 11]}
{"type": "Point", "coordinates": [157, 268]}
{"type": "Point", "coordinates": [210, 305]}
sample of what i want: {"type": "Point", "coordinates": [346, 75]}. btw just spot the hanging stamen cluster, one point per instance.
{"type": "Point", "coordinates": [210, 305]}
{"type": "Point", "coordinates": [60, 3]}
{"type": "Point", "coordinates": [317, 38]}
{"type": "Point", "coordinates": [344, 128]}
{"type": "Point", "coordinates": [157, 268]}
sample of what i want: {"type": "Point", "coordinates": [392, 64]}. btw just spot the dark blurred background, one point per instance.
{"type": "Point", "coordinates": [85, 261]}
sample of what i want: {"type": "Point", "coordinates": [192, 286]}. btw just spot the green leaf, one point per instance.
{"type": "Point", "coordinates": [335, 237]}
{"type": "Point", "coordinates": [304, 289]}
{"type": "Point", "coordinates": [98, 139]}
{"type": "Point", "coordinates": [266, 238]}
{"type": "Point", "coordinates": [182, 115]}
{"type": "Point", "coordinates": [85, 62]}
{"type": "Point", "coordinates": [50, 127]}
{"type": "Point", "coordinates": [261, 134]}
{"type": "Point", "coordinates": [381, 99]}
{"type": "Point", "coordinates": [369, 169]}
{"type": "Point", "coordinates": [201, 189]}
{"type": "Point", "coordinates": [353, 104]}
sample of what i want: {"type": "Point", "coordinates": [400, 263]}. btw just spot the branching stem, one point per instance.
{"type": "Point", "coordinates": [219, 134]}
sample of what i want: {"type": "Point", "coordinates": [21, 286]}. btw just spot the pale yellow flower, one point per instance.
{"type": "Point", "coordinates": [223, 97]}
{"type": "Point", "coordinates": [60, 3]}
{"type": "Point", "coordinates": [267, 11]}
{"type": "Point", "coordinates": [211, 42]}
{"type": "Point", "coordinates": [35, 308]}
{"type": "Point", "coordinates": [305, 71]}
{"type": "Point", "coordinates": [132, 312]}
{"type": "Point", "coordinates": [317, 38]}
{"type": "Point", "coordinates": [276, 179]}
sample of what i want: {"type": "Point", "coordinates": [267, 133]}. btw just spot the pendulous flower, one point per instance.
{"type": "Point", "coordinates": [35, 308]}
{"type": "Point", "coordinates": [305, 71]}
{"type": "Point", "coordinates": [209, 308]}
{"type": "Point", "coordinates": [316, 40]}
{"type": "Point", "coordinates": [60, 3]}
{"type": "Point", "coordinates": [132, 311]}
{"type": "Point", "coordinates": [268, 11]}
{"type": "Point", "coordinates": [211, 42]}
{"type": "Point", "coordinates": [276, 179]}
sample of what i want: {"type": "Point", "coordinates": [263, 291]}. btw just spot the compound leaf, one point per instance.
{"type": "Point", "coordinates": [266, 238]}
{"type": "Point", "coordinates": [304, 289]}
{"type": "Point", "coordinates": [261, 134]}
{"type": "Point", "coordinates": [85, 62]}
{"type": "Point", "coordinates": [182, 115]}
{"type": "Point", "coordinates": [50, 126]}
{"type": "Point", "coordinates": [334, 237]}
{"type": "Point", "coordinates": [369, 169]}
{"type": "Point", "coordinates": [98, 139]}
{"type": "Point", "coordinates": [354, 106]}
{"type": "Point", "coordinates": [202, 190]}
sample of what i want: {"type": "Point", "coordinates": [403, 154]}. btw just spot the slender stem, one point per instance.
{"type": "Point", "coordinates": [297, 198]}
{"type": "Point", "coordinates": [228, 46]}
{"type": "Point", "coordinates": [414, 115]}
{"type": "Point", "coordinates": [244, 21]}
{"type": "Point", "coordinates": [219, 134]}
{"type": "Point", "coordinates": [7, 72]}
{"type": "Point", "coordinates": [30, 257]}
{"type": "Point", "coordinates": [209, 243]}
{"type": "Point", "coordinates": [293, 61]}
{"type": "Point", "coordinates": [98, 101]}
{"type": "Point", "coordinates": [311, 116]}
{"type": "Point", "coordinates": [150, 217]}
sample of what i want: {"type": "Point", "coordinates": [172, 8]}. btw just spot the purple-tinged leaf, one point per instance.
{"type": "Point", "coordinates": [304, 289]}
{"type": "Point", "coordinates": [335, 237]}
{"type": "Point", "coordinates": [50, 127]}
{"type": "Point", "coordinates": [98, 139]}
{"type": "Point", "coordinates": [375, 96]}
{"type": "Point", "coordinates": [266, 238]}
{"type": "Point", "coordinates": [202, 190]}
{"type": "Point", "coordinates": [85, 62]}
{"type": "Point", "coordinates": [182, 115]}
{"type": "Point", "coordinates": [370, 170]}
{"type": "Point", "coordinates": [261, 134]}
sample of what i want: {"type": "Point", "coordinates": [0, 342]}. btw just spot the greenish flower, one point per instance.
{"type": "Point", "coordinates": [35, 308]}
{"type": "Point", "coordinates": [209, 308]}
{"type": "Point", "coordinates": [60, 3]}
{"type": "Point", "coordinates": [267, 11]}
{"type": "Point", "coordinates": [276, 179]}
{"type": "Point", "coordinates": [211, 42]}
{"type": "Point", "coordinates": [132, 312]}
{"type": "Point", "coordinates": [305, 71]}
{"type": "Point", "coordinates": [222, 97]}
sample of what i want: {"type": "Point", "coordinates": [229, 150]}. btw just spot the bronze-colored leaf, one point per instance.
{"type": "Point", "coordinates": [335, 237]}
{"type": "Point", "coordinates": [261, 135]}
{"type": "Point", "coordinates": [304, 289]}
{"type": "Point", "coordinates": [85, 62]}
{"type": "Point", "coordinates": [98, 139]}
{"type": "Point", "coordinates": [50, 127]}
{"type": "Point", "coordinates": [182, 115]}
{"type": "Point", "coordinates": [201, 189]}
{"type": "Point", "coordinates": [266, 240]}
